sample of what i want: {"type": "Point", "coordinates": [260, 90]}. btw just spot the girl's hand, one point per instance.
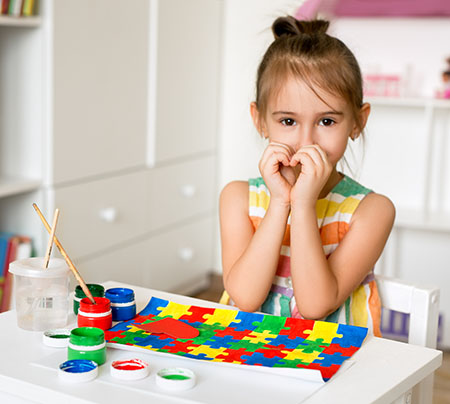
{"type": "Point", "coordinates": [277, 172]}
{"type": "Point", "coordinates": [315, 171]}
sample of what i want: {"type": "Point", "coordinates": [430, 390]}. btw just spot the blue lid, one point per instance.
{"type": "Point", "coordinates": [78, 366]}
{"type": "Point", "coordinates": [119, 295]}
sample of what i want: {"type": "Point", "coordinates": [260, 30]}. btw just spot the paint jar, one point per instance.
{"type": "Point", "coordinates": [123, 305]}
{"type": "Point", "coordinates": [42, 294]}
{"type": "Point", "coordinates": [96, 291]}
{"type": "Point", "coordinates": [87, 343]}
{"type": "Point", "coordinates": [95, 315]}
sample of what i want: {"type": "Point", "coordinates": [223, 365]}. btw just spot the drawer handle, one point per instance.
{"type": "Point", "coordinates": [186, 254]}
{"type": "Point", "coordinates": [188, 190]}
{"type": "Point", "coordinates": [108, 215]}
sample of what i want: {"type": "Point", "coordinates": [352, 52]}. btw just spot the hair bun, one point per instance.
{"type": "Point", "coordinates": [292, 27]}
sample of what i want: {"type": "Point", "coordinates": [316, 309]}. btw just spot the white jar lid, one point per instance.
{"type": "Point", "coordinates": [130, 369]}
{"type": "Point", "coordinates": [175, 379]}
{"type": "Point", "coordinates": [34, 268]}
{"type": "Point", "coordinates": [78, 370]}
{"type": "Point", "coordinates": [56, 338]}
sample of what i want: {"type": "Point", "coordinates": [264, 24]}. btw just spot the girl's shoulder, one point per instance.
{"type": "Point", "coordinates": [376, 207]}
{"type": "Point", "coordinates": [235, 192]}
{"type": "Point", "coordinates": [372, 205]}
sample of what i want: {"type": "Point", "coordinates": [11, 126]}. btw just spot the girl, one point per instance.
{"type": "Point", "coordinates": [302, 240]}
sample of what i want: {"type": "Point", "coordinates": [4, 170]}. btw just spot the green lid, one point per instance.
{"type": "Point", "coordinates": [95, 289]}
{"type": "Point", "coordinates": [87, 336]}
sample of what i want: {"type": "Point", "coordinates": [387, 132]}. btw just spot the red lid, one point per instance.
{"type": "Point", "coordinates": [102, 305]}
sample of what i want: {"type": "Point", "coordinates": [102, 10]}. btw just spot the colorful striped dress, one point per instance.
{"type": "Point", "coordinates": [334, 213]}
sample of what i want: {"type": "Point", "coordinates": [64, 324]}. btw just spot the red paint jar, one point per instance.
{"type": "Point", "coordinates": [95, 315]}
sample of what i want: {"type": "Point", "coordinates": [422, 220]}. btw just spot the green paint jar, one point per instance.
{"type": "Point", "coordinates": [95, 289]}
{"type": "Point", "coordinates": [87, 343]}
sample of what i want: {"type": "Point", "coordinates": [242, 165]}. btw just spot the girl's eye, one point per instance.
{"type": "Point", "coordinates": [326, 122]}
{"type": "Point", "coordinates": [288, 122]}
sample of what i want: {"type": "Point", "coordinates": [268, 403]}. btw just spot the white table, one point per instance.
{"type": "Point", "coordinates": [383, 370]}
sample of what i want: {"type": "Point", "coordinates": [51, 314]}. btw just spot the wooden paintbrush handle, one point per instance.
{"type": "Point", "coordinates": [66, 257]}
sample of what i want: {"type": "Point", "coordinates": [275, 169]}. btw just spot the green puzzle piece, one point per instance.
{"type": "Point", "coordinates": [247, 345]}
{"type": "Point", "coordinates": [272, 323]}
{"type": "Point", "coordinates": [282, 363]}
{"type": "Point", "coordinates": [317, 345]}
{"type": "Point", "coordinates": [129, 337]}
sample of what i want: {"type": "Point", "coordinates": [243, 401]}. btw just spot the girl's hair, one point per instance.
{"type": "Point", "coordinates": [303, 49]}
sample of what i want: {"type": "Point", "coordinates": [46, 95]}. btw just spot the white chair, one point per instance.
{"type": "Point", "coordinates": [422, 304]}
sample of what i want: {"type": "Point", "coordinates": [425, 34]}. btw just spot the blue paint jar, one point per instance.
{"type": "Point", "coordinates": [123, 305]}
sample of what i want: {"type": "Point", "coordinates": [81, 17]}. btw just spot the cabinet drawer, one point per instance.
{"type": "Point", "coordinates": [99, 75]}
{"type": "Point", "coordinates": [179, 257]}
{"type": "Point", "coordinates": [125, 264]}
{"type": "Point", "coordinates": [100, 214]}
{"type": "Point", "coordinates": [180, 191]}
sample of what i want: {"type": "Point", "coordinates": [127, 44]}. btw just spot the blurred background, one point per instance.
{"type": "Point", "coordinates": [130, 117]}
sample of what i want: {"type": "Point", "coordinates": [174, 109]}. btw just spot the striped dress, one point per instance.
{"type": "Point", "coordinates": [334, 213]}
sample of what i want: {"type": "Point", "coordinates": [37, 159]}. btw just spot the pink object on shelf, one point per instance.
{"type": "Point", "coordinates": [392, 8]}
{"type": "Point", "coordinates": [381, 85]}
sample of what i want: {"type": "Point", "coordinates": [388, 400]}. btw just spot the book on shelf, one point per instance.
{"type": "Point", "coordinates": [17, 8]}
{"type": "Point", "coordinates": [4, 7]}
{"type": "Point", "coordinates": [28, 8]}
{"type": "Point", "coordinates": [12, 247]}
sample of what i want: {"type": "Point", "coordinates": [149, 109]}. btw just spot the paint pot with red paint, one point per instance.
{"type": "Point", "coordinates": [87, 343]}
{"type": "Point", "coordinates": [95, 315]}
{"type": "Point", "coordinates": [130, 369]}
{"type": "Point", "coordinates": [95, 289]}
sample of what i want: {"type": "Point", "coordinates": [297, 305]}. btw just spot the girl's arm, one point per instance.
{"type": "Point", "coordinates": [249, 257]}
{"type": "Point", "coordinates": [321, 285]}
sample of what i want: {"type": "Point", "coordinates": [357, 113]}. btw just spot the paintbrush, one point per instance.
{"type": "Point", "coordinates": [66, 257]}
{"type": "Point", "coordinates": [51, 238]}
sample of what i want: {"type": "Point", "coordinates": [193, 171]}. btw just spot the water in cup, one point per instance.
{"type": "Point", "coordinates": [42, 294]}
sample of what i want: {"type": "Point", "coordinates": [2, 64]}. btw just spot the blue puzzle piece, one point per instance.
{"type": "Point", "coordinates": [249, 321]}
{"type": "Point", "coordinates": [153, 305]}
{"type": "Point", "coordinates": [221, 342]}
{"type": "Point", "coordinates": [122, 326]}
{"type": "Point", "coordinates": [327, 360]}
{"type": "Point", "coordinates": [257, 358]}
{"type": "Point", "coordinates": [351, 336]}
{"type": "Point", "coordinates": [201, 356]}
{"type": "Point", "coordinates": [289, 343]}
{"type": "Point", "coordinates": [153, 341]}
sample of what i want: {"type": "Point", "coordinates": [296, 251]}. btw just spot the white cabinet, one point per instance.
{"type": "Point", "coordinates": [99, 62]}
{"type": "Point", "coordinates": [90, 93]}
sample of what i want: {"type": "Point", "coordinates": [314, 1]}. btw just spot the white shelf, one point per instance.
{"type": "Point", "coordinates": [409, 102]}
{"type": "Point", "coordinates": [420, 220]}
{"type": "Point", "coordinates": [14, 186]}
{"type": "Point", "coordinates": [29, 22]}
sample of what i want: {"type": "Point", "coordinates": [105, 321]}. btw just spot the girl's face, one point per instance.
{"type": "Point", "coordinates": [297, 117]}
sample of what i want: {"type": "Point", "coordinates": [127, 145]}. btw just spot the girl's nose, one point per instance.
{"type": "Point", "coordinates": [305, 138]}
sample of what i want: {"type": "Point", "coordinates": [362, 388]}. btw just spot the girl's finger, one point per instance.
{"type": "Point", "coordinates": [303, 158]}
{"type": "Point", "coordinates": [285, 146]}
{"type": "Point", "coordinates": [322, 153]}
{"type": "Point", "coordinates": [314, 154]}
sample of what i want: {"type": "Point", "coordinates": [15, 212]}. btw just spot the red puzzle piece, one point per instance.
{"type": "Point", "coordinates": [170, 326]}
{"type": "Point", "coordinates": [295, 328]}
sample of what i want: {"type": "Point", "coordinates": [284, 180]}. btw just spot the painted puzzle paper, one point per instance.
{"type": "Point", "coordinates": [244, 338]}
